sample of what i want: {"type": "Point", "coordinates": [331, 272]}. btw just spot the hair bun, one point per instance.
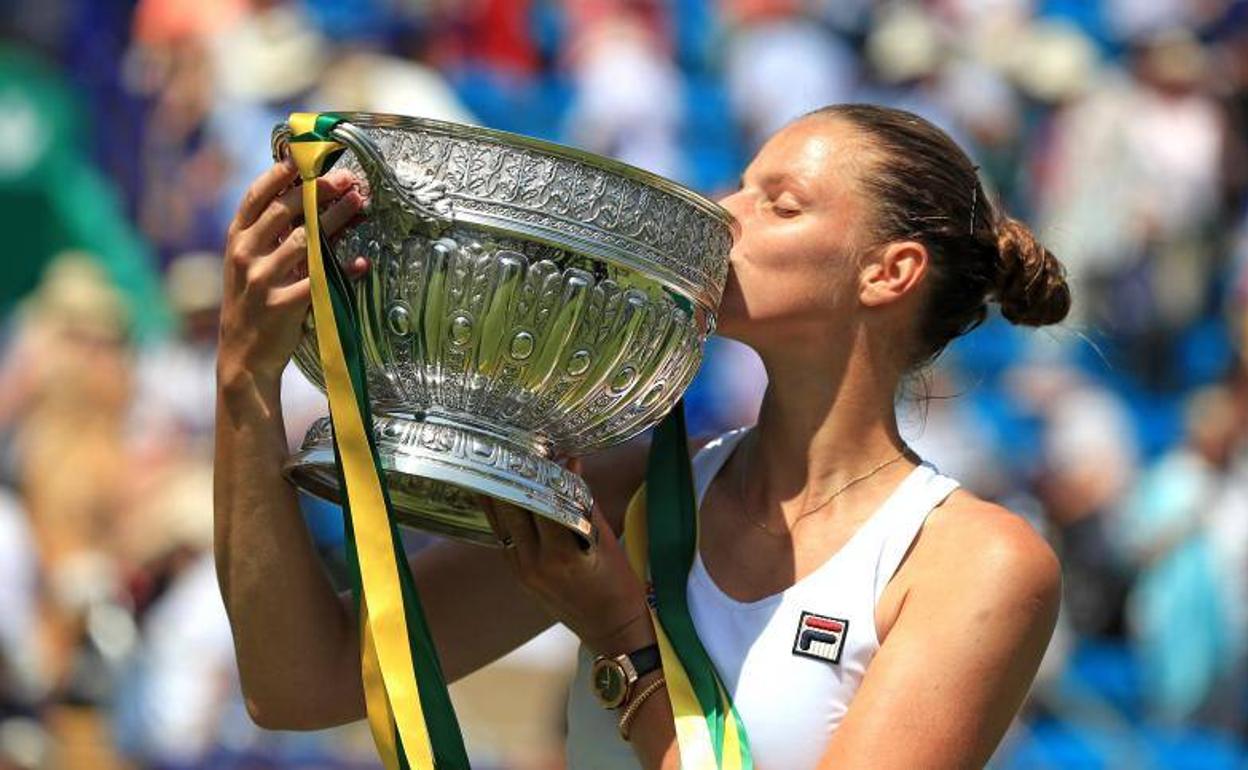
{"type": "Point", "coordinates": [1030, 283]}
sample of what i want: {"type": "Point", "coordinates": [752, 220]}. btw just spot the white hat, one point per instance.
{"type": "Point", "coordinates": [906, 44]}
{"type": "Point", "coordinates": [1054, 61]}
{"type": "Point", "coordinates": [271, 56]}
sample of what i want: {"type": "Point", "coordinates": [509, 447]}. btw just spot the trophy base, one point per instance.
{"type": "Point", "coordinates": [435, 465]}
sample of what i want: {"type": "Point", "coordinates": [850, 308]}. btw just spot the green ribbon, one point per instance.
{"type": "Point", "coordinates": [672, 526]}
{"type": "Point", "coordinates": [440, 721]}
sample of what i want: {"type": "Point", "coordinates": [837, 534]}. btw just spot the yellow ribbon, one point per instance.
{"type": "Point", "coordinates": [389, 674]}
{"type": "Point", "coordinates": [693, 736]}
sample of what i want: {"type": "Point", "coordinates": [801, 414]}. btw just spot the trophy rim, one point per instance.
{"type": "Point", "coordinates": [468, 130]}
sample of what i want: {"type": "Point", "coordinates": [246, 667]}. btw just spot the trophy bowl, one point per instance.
{"type": "Point", "coordinates": [525, 301]}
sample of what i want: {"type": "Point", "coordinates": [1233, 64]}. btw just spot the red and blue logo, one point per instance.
{"type": "Point", "coordinates": [820, 637]}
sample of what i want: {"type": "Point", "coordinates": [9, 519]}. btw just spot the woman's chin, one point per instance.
{"type": "Point", "coordinates": [728, 320]}
{"type": "Point", "coordinates": [732, 313]}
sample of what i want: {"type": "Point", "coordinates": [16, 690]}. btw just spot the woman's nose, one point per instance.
{"type": "Point", "coordinates": [732, 203]}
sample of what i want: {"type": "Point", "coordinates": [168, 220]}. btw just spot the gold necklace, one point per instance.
{"type": "Point", "coordinates": [817, 508]}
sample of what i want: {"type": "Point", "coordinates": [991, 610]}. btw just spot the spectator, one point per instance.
{"type": "Point", "coordinates": [1089, 460]}
{"type": "Point", "coordinates": [1129, 193]}
{"type": "Point", "coordinates": [176, 378]}
{"type": "Point", "coordinates": [771, 44]}
{"type": "Point", "coordinates": [70, 371]}
{"type": "Point", "coordinates": [182, 670]}
{"type": "Point", "coordinates": [628, 102]}
{"type": "Point", "coordinates": [1184, 598]}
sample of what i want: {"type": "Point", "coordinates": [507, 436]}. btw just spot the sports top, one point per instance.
{"type": "Point", "coordinates": [793, 660]}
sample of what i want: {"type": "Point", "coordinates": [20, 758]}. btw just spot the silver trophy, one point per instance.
{"type": "Point", "coordinates": [525, 300]}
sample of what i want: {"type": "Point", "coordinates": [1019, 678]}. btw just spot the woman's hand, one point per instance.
{"type": "Point", "coordinates": [591, 590]}
{"type": "Point", "coordinates": [595, 593]}
{"type": "Point", "coordinates": [266, 286]}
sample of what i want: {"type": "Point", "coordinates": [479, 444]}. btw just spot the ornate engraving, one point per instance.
{"type": "Point", "coordinates": [618, 212]}
{"type": "Point", "coordinates": [523, 299]}
{"type": "Point", "coordinates": [402, 440]}
{"type": "Point", "coordinates": [407, 197]}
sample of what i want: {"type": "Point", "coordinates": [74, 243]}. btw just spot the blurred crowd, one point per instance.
{"type": "Point", "coordinates": [1118, 128]}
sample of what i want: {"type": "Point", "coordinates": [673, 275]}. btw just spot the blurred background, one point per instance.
{"type": "Point", "coordinates": [1116, 127]}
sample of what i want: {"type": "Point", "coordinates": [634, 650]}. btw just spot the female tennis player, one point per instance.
{"type": "Point", "coordinates": [862, 610]}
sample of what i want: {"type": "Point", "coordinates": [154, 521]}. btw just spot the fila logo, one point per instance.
{"type": "Point", "coordinates": [820, 637]}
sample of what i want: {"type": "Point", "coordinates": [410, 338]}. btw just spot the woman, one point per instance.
{"type": "Point", "coordinates": [862, 610]}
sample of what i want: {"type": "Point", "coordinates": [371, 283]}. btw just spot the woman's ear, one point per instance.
{"type": "Point", "coordinates": [893, 273]}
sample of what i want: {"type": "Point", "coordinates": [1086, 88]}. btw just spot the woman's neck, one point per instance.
{"type": "Point", "coordinates": [822, 423]}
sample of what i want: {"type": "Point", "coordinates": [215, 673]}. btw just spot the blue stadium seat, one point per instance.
{"type": "Point", "coordinates": [1111, 671]}
{"type": "Point", "coordinates": [1193, 749]}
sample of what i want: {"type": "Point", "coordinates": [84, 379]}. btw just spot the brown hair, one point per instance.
{"type": "Point", "coordinates": [927, 190]}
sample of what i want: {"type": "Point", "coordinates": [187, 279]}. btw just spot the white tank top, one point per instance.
{"type": "Point", "coordinates": [792, 660]}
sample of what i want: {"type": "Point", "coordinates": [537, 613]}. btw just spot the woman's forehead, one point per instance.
{"type": "Point", "coordinates": [812, 150]}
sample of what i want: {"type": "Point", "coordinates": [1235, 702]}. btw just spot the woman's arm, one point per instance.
{"type": "Point", "coordinates": [981, 594]}
{"type": "Point", "coordinates": [295, 638]}
{"type": "Point", "coordinates": [596, 594]}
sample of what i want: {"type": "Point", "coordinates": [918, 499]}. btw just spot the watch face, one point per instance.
{"type": "Point", "coordinates": [609, 683]}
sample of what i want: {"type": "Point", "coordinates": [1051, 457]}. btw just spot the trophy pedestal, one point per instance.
{"type": "Point", "coordinates": [435, 465]}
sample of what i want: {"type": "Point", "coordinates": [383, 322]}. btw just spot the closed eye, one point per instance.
{"type": "Point", "coordinates": [784, 209]}
{"type": "Point", "coordinates": [784, 202]}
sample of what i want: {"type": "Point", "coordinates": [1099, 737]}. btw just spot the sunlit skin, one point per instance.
{"type": "Point", "coordinates": [829, 308]}
{"type": "Point", "coordinates": [833, 314]}
{"type": "Point", "coordinates": [801, 224]}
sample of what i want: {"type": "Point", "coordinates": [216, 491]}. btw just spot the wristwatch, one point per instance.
{"type": "Point", "coordinates": [612, 678]}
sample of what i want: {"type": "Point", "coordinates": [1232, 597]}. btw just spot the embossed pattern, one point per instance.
{"type": "Point", "coordinates": [554, 351]}
{"type": "Point", "coordinates": [520, 303]}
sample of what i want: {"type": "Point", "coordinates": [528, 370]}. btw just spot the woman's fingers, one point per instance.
{"type": "Point", "coordinates": [285, 210]}
{"type": "Point", "coordinates": [515, 525]}
{"type": "Point", "coordinates": [597, 520]}
{"type": "Point", "coordinates": [530, 535]}
{"type": "Point", "coordinates": [487, 504]}
{"type": "Point", "coordinates": [282, 213]}
{"type": "Point", "coordinates": [290, 255]}
{"type": "Point", "coordinates": [603, 536]}
{"type": "Point", "coordinates": [292, 252]}
{"type": "Point", "coordinates": [295, 294]}
{"type": "Point", "coordinates": [262, 191]}
{"type": "Point", "coordinates": [555, 537]}
{"type": "Point", "coordinates": [341, 212]}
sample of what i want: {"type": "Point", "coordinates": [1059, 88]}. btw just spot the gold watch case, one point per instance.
{"type": "Point", "coordinates": [612, 680]}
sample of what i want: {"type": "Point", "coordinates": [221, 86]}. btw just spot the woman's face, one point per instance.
{"type": "Point", "coordinates": [803, 222]}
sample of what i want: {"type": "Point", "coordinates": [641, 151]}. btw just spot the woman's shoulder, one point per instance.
{"type": "Point", "coordinates": [973, 543]}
